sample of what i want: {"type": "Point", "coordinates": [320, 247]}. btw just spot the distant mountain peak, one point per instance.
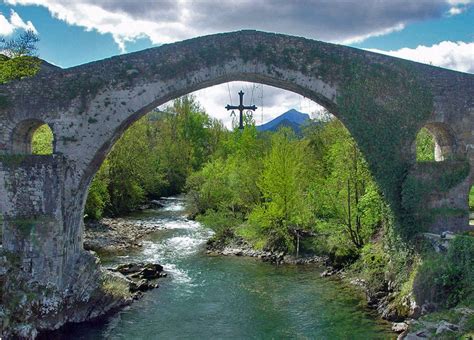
{"type": "Point", "coordinates": [292, 118]}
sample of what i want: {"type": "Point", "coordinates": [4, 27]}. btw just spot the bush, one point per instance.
{"type": "Point", "coordinates": [223, 224]}
{"type": "Point", "coordinates": [447, 279]}
{"type": "Point", "coordinates": [98, 197]}
{"type": "Point", "coordinates": [372, 266]}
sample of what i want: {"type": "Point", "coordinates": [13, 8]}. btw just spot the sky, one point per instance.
{"type": "Point", "coordinates": [73, 32]}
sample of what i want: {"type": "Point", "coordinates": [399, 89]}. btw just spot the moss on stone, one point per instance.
{"type": "Point", "coordinates": [425, 179]}
{"type": "Point", "coordinates": [13, 161]}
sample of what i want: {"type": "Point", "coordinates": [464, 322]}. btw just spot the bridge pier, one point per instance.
{"type": "Point", "coordinates": [435, 196]}
{"type": "Point", "coordinates": [33, 228]}
{"type": "Point", "coordinates": [46, 278]}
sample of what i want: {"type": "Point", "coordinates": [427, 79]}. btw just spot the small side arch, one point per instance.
{"type": "Point", "coordinates": [435, 142]}
{"type": "Point", "coordinates": [32, 136]}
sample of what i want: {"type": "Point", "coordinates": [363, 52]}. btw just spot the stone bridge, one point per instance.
{"type": "Point", "coordinates": [383, 101]}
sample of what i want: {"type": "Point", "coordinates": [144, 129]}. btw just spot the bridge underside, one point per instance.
{"type": "Point", "coordinates": [383, 102]}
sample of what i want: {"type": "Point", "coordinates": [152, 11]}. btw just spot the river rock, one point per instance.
{"type": "Point", "coordinates": [140, 270]}
{"type": "Point", "coordinates": [140, 276]}
{"type": "Point", "coordinates": [328, 272]}
{"type": "Point", "coordinates": [445, 327]}
{"type": "Point", "coordinates": [144, 285]}
{"type": "Point", "coordinates": [421, 334]}
{"type": "Point", "coordinates": [156, 204]}
{"type": "Point", "coordinates": [128, 268]}
{"type": "Point", "coordinates": [152, 271]}
{"type": "Point", "coordinates": [399, 327]}
{"type": "Point", "coordinates": [116, 234]}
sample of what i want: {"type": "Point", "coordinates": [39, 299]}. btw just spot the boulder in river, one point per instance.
{"type": "Point", "coordinates": [140, 275]}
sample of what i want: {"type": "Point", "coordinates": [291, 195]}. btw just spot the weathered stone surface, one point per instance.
{"type": "Point", "coordinates": [446, 327]}
{"type": "Point", "coordinates": [399, 327]}
{"type": "Point", "coordinates": [383, 101]}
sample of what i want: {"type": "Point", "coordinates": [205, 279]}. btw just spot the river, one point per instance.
{"type": "Point", "coordinates": [208, 297]}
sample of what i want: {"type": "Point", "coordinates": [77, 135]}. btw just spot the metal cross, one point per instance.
{"type": "Point", "coordinates": [241, 108]}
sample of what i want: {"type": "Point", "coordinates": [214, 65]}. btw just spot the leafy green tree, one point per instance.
{"type": "Point", "coordinates": [228, 182]}
{"type": "Point", "coordinates": [19, 58]}
{"type": "Point", "coordinates": [23, 44]}
{"type": "Point", "coordinates": [347, 200]}
{"type": "Point", "coordinates": [471, 199]}
{"type": "Point", "coordinates": [283, 183]}
{"type": "Point", "coordinates": [133, 169]}
{"type": "Point", "coordinates": [98, 196]}
{"type": "Point", "coordinates": [154, 157]}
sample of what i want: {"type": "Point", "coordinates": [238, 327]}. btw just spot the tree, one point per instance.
{"type": "Point", "coordinates": [19, 59]}
{"type": "Point", "coordinates": [21, 45]}
{"type": "Point", "coordinates": [283, 183]}
{"type": "Point", "coordinates": [98, 197]}
{"type": "Point", "coordinates": [350, 195]}
{"type": "Point", "coordinates": [154, 157]}
{"type": "Point", "coordinates": [42, 141]}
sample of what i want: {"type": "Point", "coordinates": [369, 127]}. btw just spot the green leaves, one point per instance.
{"type": "Point", "coordinates": [18, 68]}
{"type": "Point", "coordinates": [425, 146]}
{"type": "Point", "coordinates": [19, 61]}
{"type": "Point", "coordinates": [153, 158]}
{"type": "Point", "coordinates": [42, 141]}
{"type": "Point", "coordinates": [347, 198]}
{"type": "Point", "coordinates": [284, 184]}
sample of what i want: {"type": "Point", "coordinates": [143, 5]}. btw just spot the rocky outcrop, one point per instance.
{"type": "Point", "coordinates": [140, 276]}
{"type": "Point", "coordinates": [30, 307]}
{"type": "Point", "coordinates": [437, 326]}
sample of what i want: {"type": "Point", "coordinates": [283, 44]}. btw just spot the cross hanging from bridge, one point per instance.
{"type": "Point", "coordinates": [241, 108]}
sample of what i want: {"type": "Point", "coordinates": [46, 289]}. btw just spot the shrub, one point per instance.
{"type": "Point", "coordinates": [447, 279]}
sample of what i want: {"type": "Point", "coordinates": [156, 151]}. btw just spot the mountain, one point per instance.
{"type": "Point", "coordinates": [292, 118]}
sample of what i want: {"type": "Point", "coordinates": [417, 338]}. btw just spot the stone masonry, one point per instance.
{"type": "Point", "coordinates": [383, 101]}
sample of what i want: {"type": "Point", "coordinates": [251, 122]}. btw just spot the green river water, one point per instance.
{"type": "Point", "coordinates": [208, 297]}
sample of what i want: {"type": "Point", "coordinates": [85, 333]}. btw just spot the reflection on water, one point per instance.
{"type": "Point", "coordinates": [228, 298]}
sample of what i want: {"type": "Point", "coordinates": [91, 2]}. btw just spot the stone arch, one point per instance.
{"type": "Point", "coordinates": [22, 136]}
{"type": "Point", "coordinates": [381, 100]}
{"type": "Point", "coordinates": [445, 144]}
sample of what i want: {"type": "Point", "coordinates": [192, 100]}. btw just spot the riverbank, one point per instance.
{"type": "Point", "coordinates": [238, 247]}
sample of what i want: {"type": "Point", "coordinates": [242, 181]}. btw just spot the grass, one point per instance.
{"type": "Point", "coordinates": [115, 286]}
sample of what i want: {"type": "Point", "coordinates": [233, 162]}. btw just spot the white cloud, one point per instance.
{"type": "Point", "coordinates": [386, 31]}
{"type": "Point", "coordinates": [166, 21]}
{"type": "Point", "coordinates": [453, 55]}
{"type": "Point", "coordinates": [455, 11]}
{"type": "Point", "coordinates": [8, 27]}
{"type": "Point", "coordinates": [458, 6]}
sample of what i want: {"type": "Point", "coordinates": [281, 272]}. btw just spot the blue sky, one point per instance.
{"type": "Point", "coordinates": [440, 32]}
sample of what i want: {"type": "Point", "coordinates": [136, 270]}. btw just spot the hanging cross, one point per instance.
{"type": "Point", "coordinates": [241, 108]}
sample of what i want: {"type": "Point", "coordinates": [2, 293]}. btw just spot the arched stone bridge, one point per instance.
{"type": "Point", "coordinates": [382, 100]}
